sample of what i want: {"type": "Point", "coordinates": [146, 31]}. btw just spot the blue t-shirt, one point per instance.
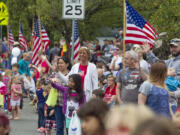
{"type": "Point", "coordinates": [157, 98]}
{"type": "Point", "coordinates": [172, 83]}
{"type": "Point", "coordinates": [24, 67]}
{"type": "Point", "coordinates": [41, 98]}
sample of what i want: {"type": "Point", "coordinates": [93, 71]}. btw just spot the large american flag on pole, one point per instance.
{"type": "Point", "coordinates": [39, 46]}
{"type": "Point", "coordinates": [37, 42]}
{"type": "Point", "coordinates": [76, 41]}
{"type": "Point", "coordinates": [22, 39]}
{"type": "Point", "coordinates": [45, 38]}
{"type": "Point", "coordinates": [138, 30]}
{"type": "Point", "coordinates": [10, 36]}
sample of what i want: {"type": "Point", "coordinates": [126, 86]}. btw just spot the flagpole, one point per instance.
{"type": "Point", "coordinates": [124, 31]}
{"type": "Point", "coordinates": [19, 28]}
{"type": "Point", "coordinates": [72, 52]}
{"type": "Point", "coordinates": [32, 43]}
{"type": "Point", "coordinates": [40, 32]}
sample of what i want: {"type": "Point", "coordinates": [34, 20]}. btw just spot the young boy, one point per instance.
{"type": "Point", "coordinates": [173, 84]}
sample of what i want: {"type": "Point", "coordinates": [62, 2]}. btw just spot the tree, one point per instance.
{"type": "Point", "coordinates": [163, 15]}
{"type": "Point", "coordinates": [98, 14]}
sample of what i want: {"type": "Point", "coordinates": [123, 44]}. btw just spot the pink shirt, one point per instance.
{"type": "Point", "coordinates": [13, 95]}
{"type": "Point", "coordinates": [2, 88]}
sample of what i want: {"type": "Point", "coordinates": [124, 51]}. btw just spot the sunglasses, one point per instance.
{"type": "Point", "coordinates": [174, 40]}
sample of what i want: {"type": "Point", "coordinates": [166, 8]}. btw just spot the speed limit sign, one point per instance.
{"type": "Point", "coordinates": [73, 9]}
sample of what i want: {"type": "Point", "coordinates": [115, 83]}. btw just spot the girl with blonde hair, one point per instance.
{"type": "Point", "coordinates": [124, 120]}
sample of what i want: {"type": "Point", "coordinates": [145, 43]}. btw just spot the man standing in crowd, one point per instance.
{"type": "Point", "coordinates": [129, 79]}
{"type": "Point", "coordinates": [172, 62]}
{"type": "Point", "coordinates": [106, 49]}
{"type": "Point", "coordinates": [55, 51]}
{"type": "Point", "coordinates": [5, 45]}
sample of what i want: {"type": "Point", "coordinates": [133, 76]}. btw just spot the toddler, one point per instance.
{"type": "Point", "coordinates": [173, 84]}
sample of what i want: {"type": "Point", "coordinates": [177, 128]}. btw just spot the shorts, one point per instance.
{"type": "Point", "coordinates": [15, 102]}
{"type": "Point", "coordinates": [50, 124]}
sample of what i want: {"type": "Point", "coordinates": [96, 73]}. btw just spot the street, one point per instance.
{"type": "Point", "coordinates": [27, 125]}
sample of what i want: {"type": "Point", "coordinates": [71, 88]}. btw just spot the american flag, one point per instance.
{"type": "Point", "coordinates": [138, 30]}
{"type": "Point", "coordinates": [10, 36]}
{"type": "Point", "coordinates": [45, 38]}
{"type": "Point", "coordinates": [76, 41]}
{"type": "Point", "coordinates": [38, 47]}
{"type": "Point", "coordinates": [22, 38]}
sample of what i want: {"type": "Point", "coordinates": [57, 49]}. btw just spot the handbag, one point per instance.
{"type": "Point", "coordinates": [52, 97]}
{"type": "Point", "coordinates": [75, 125]}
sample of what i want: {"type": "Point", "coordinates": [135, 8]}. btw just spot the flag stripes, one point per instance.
{"type": "Point", "coordinates": [138, 30]}
{"type": "Point", "coordinates": [22, 39]}
{"type": "Point", "coordinates": [10, 36]}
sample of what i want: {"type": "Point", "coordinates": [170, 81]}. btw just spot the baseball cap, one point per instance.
{"type": "Point", "coordinates": [175, 42]}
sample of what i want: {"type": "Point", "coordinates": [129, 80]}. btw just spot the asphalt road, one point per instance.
{"type": "Point", "coordinates": [27, 124]}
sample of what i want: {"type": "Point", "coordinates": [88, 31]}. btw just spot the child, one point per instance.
{"type": "Point", "coordinates": [15, 69]}
{"type": "Point", "coordinates": [16, 91]}
{"type": "Point", "coordinates": [92, 115]}
{"type": "Point", "coordinates": [98, 94]}
{"type": "Point", "coordinates": [49, 114]}
{"type": "Point", "coordinates": [2, 90]}
{"type": "Point", "coordinates": [73, 96]}
{"type": "Point", "coordinates": [110, 92]}
{"type": "Point", "coordinates": [172, 84]}
{"type": "Point", "coordinates": [40, 105]}
{"type": "Point", "coordinates": [29, 86]}
{"type": "Point", "coordinates": [6, 81]}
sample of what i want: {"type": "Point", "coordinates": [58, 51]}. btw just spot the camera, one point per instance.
{"type": "Point", "coordinates": [45, 81]}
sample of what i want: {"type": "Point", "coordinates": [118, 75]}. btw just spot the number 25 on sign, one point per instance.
{"type": "Point", "coordinates": [73, 9]}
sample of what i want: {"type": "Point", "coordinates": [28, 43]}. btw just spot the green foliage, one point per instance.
{"type": "Point", "coordinates": [164, 15]}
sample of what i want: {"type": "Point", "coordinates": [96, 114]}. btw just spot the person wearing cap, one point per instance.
{"type": "Point", "coordinates": [4, 124]}
{"type": "Point", "coordinates": [172, 62]}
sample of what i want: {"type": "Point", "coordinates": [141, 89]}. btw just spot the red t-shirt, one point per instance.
{"type": "Point", "coordinates": [82, 72]}
{"type": "Point", "coordinates": [109, 93]}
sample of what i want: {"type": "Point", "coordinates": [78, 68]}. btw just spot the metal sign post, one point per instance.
{"type": "Point", "coordinates": [73, 9]}
{"type": "Point", "coordinates": [72, 52]}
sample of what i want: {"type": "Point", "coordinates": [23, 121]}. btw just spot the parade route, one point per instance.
{"type": "Point", "coordinates": [27, 125]}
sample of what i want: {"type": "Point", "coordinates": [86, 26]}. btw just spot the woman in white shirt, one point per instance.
{"type": "Point", "coordinates": [87, 71]}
